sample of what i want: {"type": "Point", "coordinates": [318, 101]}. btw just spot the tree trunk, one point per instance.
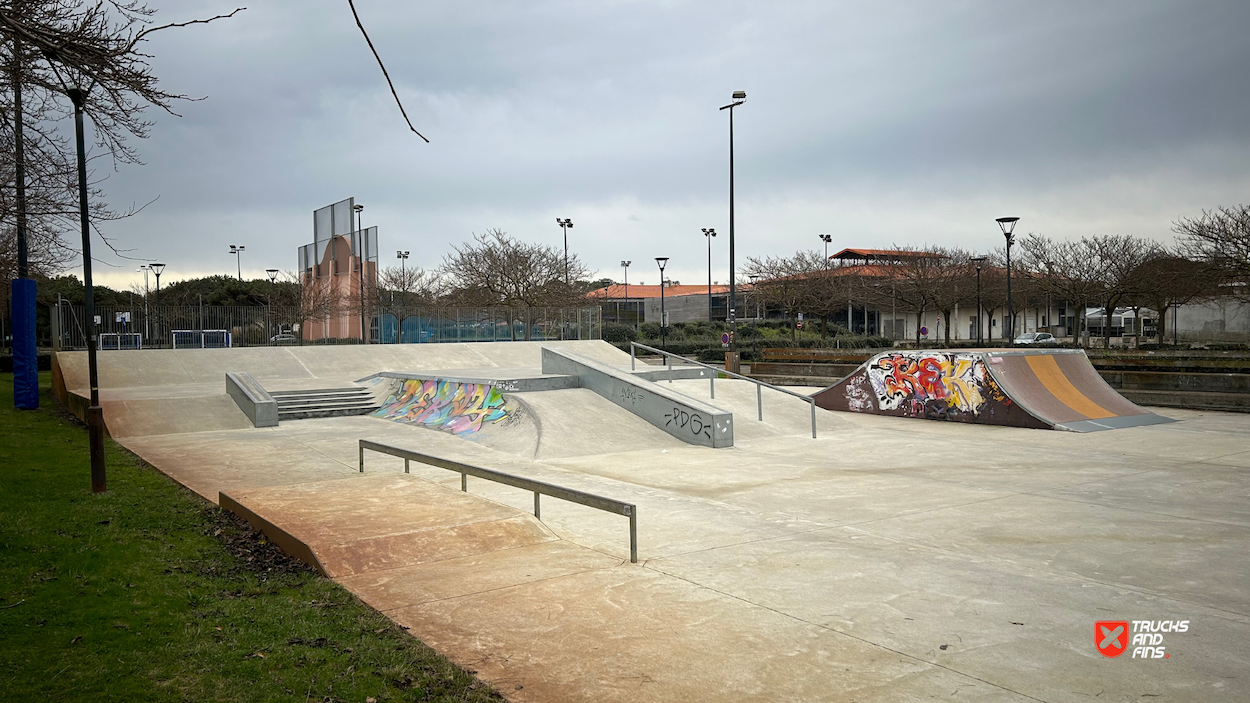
{"type": "Point", "coordinates": [919, 317]}
{"type": "Point", "coordinates": [946, 315]}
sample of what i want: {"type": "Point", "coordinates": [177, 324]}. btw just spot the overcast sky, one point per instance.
{"type": "Point", "coordinates": [878, 123]}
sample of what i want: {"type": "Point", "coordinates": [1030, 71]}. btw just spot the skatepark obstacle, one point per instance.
{"type": "Point", "coordinates": [539, 488]}
{"type": "Point", "coordinates": [1035, 388]}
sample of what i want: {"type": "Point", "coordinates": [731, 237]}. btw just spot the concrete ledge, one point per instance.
{"type": "Point", "coordinates": [252, 399]}
{"type": "Point", "coordinates": [511, 384]}
{"type": "Point", "coordinates": [683, 417]}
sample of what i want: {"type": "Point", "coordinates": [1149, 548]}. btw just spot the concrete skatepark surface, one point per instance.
{"type": "Point", "coordinates": [884, 561]}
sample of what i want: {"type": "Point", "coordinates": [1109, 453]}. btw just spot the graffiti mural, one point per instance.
{"type": "Point", "coordinates": [930, 383]}
{"type": "Point", "coordinates": [458, 408]}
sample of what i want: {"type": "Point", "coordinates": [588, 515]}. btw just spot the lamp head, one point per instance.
{"type": "Point", "coordinates": [740, 95]}
{"type": "Point", "coordinates": [358, 208]}
{"type": "Point", "coordinates": [709, 231]}
{"type": "Point", "coordinates": [157, 268]}
{"type": "Point", "coordinates": [826, 238]}
{"type": "Point", "coordinates": [626, 263]}
{"type": "Point", "coordinates": [1007, 224]}
{"type": "Point", "coordinates": [273, 275]}
{"type": "Point", "coordinates": [978, 260]}
{"type": "Point", "coordinates": [661, 261]}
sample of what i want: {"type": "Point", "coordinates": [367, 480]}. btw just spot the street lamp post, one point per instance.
{"type": "Point", "coordinates": [147, 327]}
{"type": "Point", "coordinates": [755, 277]}
{"type": "Point", "coordinates": [403, 300]}
{"type": "Point", "coordinates": [978, 260]}
{"type": "Point", "coordinates": [1008, 226]}
{"type": "Point", "coordinates": [156, 307]}
{"type": "Point", "coordinates": [237, 251]}
{"type": "Point", "coordinates": [360, 268]}
{"type": "Point", "coordinates": [95, 413]}
{"type": "Point", "coordinates": [662, 261]}
{"type": "Point", "coordinates": [826, 238]}
{"type": "Point", "coordinates": [273, 283]}
{"type": "Point", "coordinates": [565, 225]}
{"type": "Point", "coordinates": [708, 233]}
{"type": "Point", "coordinates": [739, 96]}
{"type": "Point", "coordinates": [625, 265]}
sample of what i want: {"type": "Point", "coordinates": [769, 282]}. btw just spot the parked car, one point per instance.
{"type": "Point", "coordinates": [1034, 338]}
{"type": "Point", "coordinates": [283, 338]}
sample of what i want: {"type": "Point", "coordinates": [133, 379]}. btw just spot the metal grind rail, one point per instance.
{"type": "Point", "coordinates": [759, 385]}
{"type": "Point", "coordinates": [590, 500]}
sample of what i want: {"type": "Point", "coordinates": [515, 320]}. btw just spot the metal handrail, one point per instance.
{"type": "Point", "coordinates": [759, 397]}
{"type": "Point", "coordinates": [572, 495]}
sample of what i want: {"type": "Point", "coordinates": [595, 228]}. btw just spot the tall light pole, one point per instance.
{"type": "Point", "coordinates": [273, 283]}
{"type": "Point", "coordinates": [237, 251]}
{"type": "Point", "coordinates": [739, 96]}
{"type": "Point", "coordinates": [755, 277]}
{"type": "Point", "coordinates": [1008, 225]}
{"type": "Point", "coordinates": [708, 233]}
{"type": "Point", "coordinates": [156, 307]}
{"type": "Point", "coordinates": [566, 224]}
{"type": "Point", "coordinates": [978, 260]}
{"type": "Point", "coordinates": [625, 265]}
{"type": "Point", "coordinates": [147, 328]}
{"type": "Point", "coordinates": [360, 267]}
{"type": "Point", "coordinates": [662, 261]}
{"type": "Point", "coordinates": [826, 238]}
{"type": "Point", "coordinates": [403, 259]}
{"type": "Point", "coordinates": [95, 413]}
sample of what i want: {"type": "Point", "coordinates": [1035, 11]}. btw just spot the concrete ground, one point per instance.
{"type": "Point", "coordinates": [886, 560]}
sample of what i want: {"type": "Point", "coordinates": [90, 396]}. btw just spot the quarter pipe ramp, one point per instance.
{"type": "Point", "coordinates": [1036, 388]}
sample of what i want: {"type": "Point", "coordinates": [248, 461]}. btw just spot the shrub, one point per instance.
{"type": "Point", "coordinates": [615, 332]}
{"type": "Point", "coordinates": [649, 330]}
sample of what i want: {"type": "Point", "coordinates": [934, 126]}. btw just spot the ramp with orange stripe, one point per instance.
{"type": "Point", "coordinates": [1036, 388]}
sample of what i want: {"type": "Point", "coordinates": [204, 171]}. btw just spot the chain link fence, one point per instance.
{"type": "Point", "coordinates": [214, 326]}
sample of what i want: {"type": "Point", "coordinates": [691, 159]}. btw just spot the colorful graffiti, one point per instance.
{"type": "Point", "coordinates": [929, 383]}
{"type": "Point", "coordinates": [458, 408]}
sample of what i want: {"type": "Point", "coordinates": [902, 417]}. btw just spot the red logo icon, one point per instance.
{"type": "Point", "coordinates": [1111, 637]}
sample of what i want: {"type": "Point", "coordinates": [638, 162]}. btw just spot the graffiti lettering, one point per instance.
{"type": "Point", "coordinates": [931, 384]}
{"type": "Point", "coordinates": [458, 408]}
{"type": "Point", "coordinates": [630, 395]}
{"type": "Point", "coordinates": [688, 420]}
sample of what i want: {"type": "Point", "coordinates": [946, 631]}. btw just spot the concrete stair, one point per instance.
{"type": "Point", "coordinates": [326, 402]}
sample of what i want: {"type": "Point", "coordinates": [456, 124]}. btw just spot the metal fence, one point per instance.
{"type": "Point", "coordinates": [160, 326]}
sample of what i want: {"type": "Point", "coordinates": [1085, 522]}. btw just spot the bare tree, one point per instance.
{"type": "Point", "coordinates": [1069, 270]}
{"type": "Point", "coordinates": [402, 291]}
{"type": "Point", "coordinates": [1172, 279]}
{"type": "Point", "coordinates": [1220, 237]}
{"type": "Point", "coordinates": [498, 270]}
{"type": "Point", "coordinates": [792, 283]}
{"type": "Point", "coordinates": [53, 45]}
{"type": "Point", "coordinates": [921, 277]}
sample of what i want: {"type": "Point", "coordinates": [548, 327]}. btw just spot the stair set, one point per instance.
{"type": "Point", "coordinates": [328, 402]}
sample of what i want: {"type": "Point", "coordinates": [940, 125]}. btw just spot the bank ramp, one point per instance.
{"type": "Point", "coordinates": [1036, 388]}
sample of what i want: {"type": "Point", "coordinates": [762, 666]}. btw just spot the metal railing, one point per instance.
{"type": "Point", "coordinates": [590, 500]}
{"type": "Point", "coordinates": [759, 385]}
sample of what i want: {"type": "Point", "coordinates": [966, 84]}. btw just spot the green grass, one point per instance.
{"type": "Point", "coordinates": [148, 592]}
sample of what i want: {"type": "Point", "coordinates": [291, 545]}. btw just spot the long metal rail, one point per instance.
{"type": "Point", "coordinates": [759, 385]}
{"type": "Point", "coordinates": [572, 495]}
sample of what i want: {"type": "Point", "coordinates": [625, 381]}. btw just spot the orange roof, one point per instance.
{"type": "Point", "coordinates": [616, 291]}
{"type": "Point", "coordinates": [880, 253]}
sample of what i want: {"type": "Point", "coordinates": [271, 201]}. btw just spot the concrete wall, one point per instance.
{"type": "Point", "coordinates": [252, 399]}
{"type": "Point", "coordinates": [681, 416]}
{"type": "Point", "coordinates": [1224, 319]}
{"type": "Point", "coordinates": [687, 308]}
